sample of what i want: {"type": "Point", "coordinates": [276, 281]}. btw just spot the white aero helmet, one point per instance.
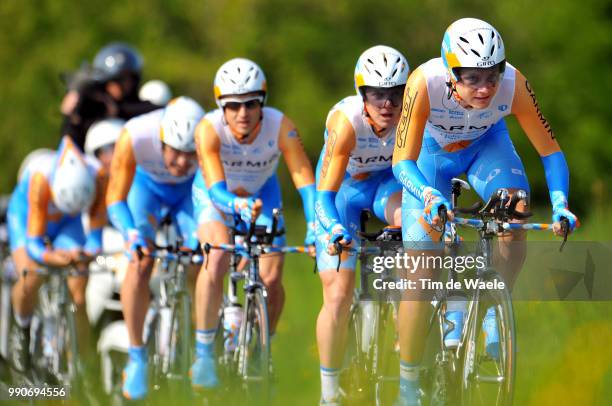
{"type": "Point", "coordinates": [103, 133]}
{"type": "Point", "coordinates": [381, 66]}
{"type": "Point", "coordinates": [73, 186]}
{"type": "Point", "coordinates": [472, 43]}
{"type": "Point", "coordinates": [239, 76]}
{"type": "Point", "coordinates": [156, 92]}
{"type": "Point", "coordinates": [180, 118]}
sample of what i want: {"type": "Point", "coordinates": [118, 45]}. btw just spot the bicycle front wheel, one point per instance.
{"type": "Point", "coordinates": [489, 367]}
{"type": "Point", "coordinates": [179, 351]}
{"type": "Point", "coordinates": [254, 346]}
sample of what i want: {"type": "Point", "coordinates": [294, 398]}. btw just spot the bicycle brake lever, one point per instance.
{"type": "Point", "coordinates": [565, 229]}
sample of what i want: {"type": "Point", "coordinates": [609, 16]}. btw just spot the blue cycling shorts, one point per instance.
{"type": "Point", "coordinates": [149, 201]}
{"type": "Point", "coordinates": [270, 194]}
{"type": "Point", "coordinates": [490, 163]}
{"type": "Point", "coordinates": [371, 193]}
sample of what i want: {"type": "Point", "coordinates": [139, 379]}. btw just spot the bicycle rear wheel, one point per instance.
{"type": "Point", "coordinates": [489, 379]}
{"type": "Point", "coordinates": [254, 347]}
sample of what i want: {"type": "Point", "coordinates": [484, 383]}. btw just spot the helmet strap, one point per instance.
{"type": "Point", "coordinates": [452, 90]}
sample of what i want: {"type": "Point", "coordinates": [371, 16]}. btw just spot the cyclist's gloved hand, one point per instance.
{"type": "Point", "coordinates": [561, 212]}
{"type": "Point", "coordinates": [135, 239]}
{"type": "Point", "coordinates": [244, 206]}
{"type": "Point", "coordinates": [338, 234]}
{"type": "Point", "coordinates": [433, 200]}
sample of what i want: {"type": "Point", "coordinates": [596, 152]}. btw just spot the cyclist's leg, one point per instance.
{"type": "Point", "coordinates": [213, 227]}
{"type": "Point", "coordinates": [23, 296]}
{"type": "Point", "coordinates": [497, 165]}
{"type": "Point", "coordinates": [72, 238]}
{"type": "Point", "coordinates": [135, 293]}
{"type": "Point", "coordinates": [25, 289]}
{"type": "Point", "coordinates": [387, 204]}
{"type": "Point", "coordinates": [271, 265]}
{"type": "Point", "coordinates": [338, 286]}
{"type": "Point", "coordinates": [185, 222]}
{"type": "Point", "coordinates": [420, 240]}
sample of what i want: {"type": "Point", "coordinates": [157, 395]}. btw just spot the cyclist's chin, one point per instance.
{"type": "Point", "coordinates": [480, 102]}
{"type": "Point", "coordinates": [178, 171]}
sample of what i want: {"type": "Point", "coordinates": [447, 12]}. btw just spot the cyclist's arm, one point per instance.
{"type": "Point", "coordinates": [409, 137]}
{"type": "Point", "coordinates": [527, 111]}
{"type": "Point", "coordinates": [39, 195]}
{"type": "Point", "coordinates": [123, 168]}
{"type": "Point", "coordinates": [209, 157]}
{"type": "Point", "coordinates": [340, 142]}
{"type": "Point", "coordinates": [299, 166]}
{"type": "Point", "coordinates": [97, 215]}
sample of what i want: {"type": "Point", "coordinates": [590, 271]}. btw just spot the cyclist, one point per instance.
{"type": "Point", "coordinates": [152, 168]}
{"type": "Point", "coordinates": [239, 145]}
{"type": "Point", "coordinates": [101, 139]}
{"type": "Point", "coordinates": [353, 173]}
{"type": "Point", "coordinates": [109, 88]}
{"type": "Point", "coordinates": [452, 123]}
{"type": "Point", "coordinates": [53, 191]}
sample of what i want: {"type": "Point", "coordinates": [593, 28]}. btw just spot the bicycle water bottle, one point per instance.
{"type": "Point", "coordinates": [232, 319]}
{"type": "Point", "coordinates": [368, 314]}
{"type": "Point", "coordinates": [456, 307]}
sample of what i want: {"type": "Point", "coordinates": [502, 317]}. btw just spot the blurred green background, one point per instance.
{"type": "Point", "coordinates": [308, 50]}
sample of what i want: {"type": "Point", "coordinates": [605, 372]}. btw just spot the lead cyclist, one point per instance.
{"type": "Point", "coordinates": [453, 123]}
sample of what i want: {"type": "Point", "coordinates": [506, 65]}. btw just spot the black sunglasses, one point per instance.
{"type": "Point", "coordinates": [235, 106]}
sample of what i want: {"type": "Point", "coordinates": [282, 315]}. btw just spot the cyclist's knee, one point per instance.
{"type": "Point", "coordinates": [337, 298]}
{"type": "Point", "coordinates": [272, 279]}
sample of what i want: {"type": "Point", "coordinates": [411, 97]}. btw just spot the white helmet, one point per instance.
{"type": "Point", "coordinates": [181, 116]}
{"type": "Point", "coordinates": [102, 133]}
{"type": "Point", "coordinates": [239, 76]}
{"type": "Point", "coordinates": [73, 186]}
{"type": "Point", "coordinates": [31, 158]}
{"type": "Point", "coordinates": [472, 43]}
{"type": "Point", "coordinates": [381, 66]}
{"type": "Point", "coordinates": [155, 91]}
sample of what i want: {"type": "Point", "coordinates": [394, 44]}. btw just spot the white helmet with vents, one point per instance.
{"type": "Point", "coordinates": [239, 76]}
{"type": "Point", "coordinates": [73, 186]}
{"type": "Point", "coordinates": [381, 66]}
{"type": "Point", "coordinates": [472, 43]}
{"type": "Point", "coordinates": [180, 118]}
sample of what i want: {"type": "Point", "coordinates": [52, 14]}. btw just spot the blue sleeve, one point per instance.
{"type": "Point", "coordinates": [222, 198]}
{"type": "Point", "coordinates": [120, 216]}
{"type": "Point", "coordinates": [93, 245]}
{"type": "Point", "coordinates": [557, 178]}
{"type": "Point", "coordinates": [408, 174]}
{"type": "Point", "coordinates": [325, 207]}
{"type": "Point", "coordinates": [35, 246]}
{"type": "Point", "coordinates": [308, 201]}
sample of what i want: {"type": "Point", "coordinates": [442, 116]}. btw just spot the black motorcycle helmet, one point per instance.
{"type": "Point", "coordinates": [117, 59]}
